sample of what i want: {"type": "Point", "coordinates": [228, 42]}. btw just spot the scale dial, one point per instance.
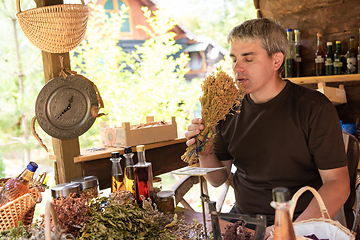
{"type": "Point", "coordinates": [63, 107]}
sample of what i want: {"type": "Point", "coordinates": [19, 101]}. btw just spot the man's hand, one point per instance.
{"type": "Point", "coordinates": [193, 130]}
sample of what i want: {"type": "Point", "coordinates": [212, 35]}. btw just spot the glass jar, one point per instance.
{"type": "Point", "coordinates": [89, 186]}
{"type": "Point", "coordinates": [65, 189]}
{"type": "Point", "coordinates": [165, 201]}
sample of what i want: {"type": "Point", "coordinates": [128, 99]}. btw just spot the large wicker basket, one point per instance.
{"type": "Point", "coordinates": [21, 209]}
{"type": "Point", "coordinates": [55, 29]}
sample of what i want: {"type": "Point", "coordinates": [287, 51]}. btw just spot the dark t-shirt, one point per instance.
{"type": "Point", "coordinates": [282, 142]}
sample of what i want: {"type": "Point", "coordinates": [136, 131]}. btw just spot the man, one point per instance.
{"type": "Point", "coordinates": [284, 134]}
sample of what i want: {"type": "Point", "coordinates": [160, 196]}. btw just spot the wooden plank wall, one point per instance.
{"type": "Point", "coordinates": [337, 20]}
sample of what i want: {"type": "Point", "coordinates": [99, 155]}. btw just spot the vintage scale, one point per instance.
{"type": "Point", "coordinates": [259, 221]}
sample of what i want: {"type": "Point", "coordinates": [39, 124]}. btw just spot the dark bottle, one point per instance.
{"type": "Point", "coordinates": [289, 60]}
{"type": "Point", "coordinates": [16, 187]}
{"type": "Point", "coordinates": [143, 176]}
{"type": "Point", "coordinates": [297, 58]}
{"type": "Point", "coordinates": [329, 59]}
{"type": "Point", "coordinates": [284, 229]}
{"type": "Point", "coordinates": [319, 57]}
{"type": "Point", "coordinates": [351, 60]}
{"type": "Point", "coordinates": [117, 177]}
{"type": "Point", "coordinates": [129, 175]}
{"type": "Point", "coordinates": [337, 59]}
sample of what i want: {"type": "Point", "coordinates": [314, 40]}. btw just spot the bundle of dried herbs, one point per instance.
{"type": "Point", "coordinates": [116, 221]}
{"type": "Point", "coordinates": [34, 232]}
{"type": "Point", "coordinates": [71, 213]}
{"type": "Point", "coordinates": [220, 96]}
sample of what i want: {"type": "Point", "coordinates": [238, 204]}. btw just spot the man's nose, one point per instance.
{"type": "Point", "coordinates": [237, 66]}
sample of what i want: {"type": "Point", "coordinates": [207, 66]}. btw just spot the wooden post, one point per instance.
{"type": "Point", "coordinates": [64, 150]}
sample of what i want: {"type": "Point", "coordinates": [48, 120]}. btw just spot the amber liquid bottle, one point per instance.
{"type": "Point", "coordinates": [129, 174]}
{"type": "Point", "coordinates": [351, 61]}
{"type": "Point", "coordinates": [319, 57]}
{"type": "Point", "coordinates": [117, 177]}
{"type": "Point", "coordinates": [337, 59]}
{"type": "Point", "coordinates": [297, 59]}
{"type": "Point", "coordinates": [284, 229]}
{"type": "Point", "coordinates": [289, 60]}
{"type": "Point", "coordinates": [16, 187]}
{"type": "Point", "coordinates": [143, 176]}
{"type": "Point", "coordinates": [329, 59]}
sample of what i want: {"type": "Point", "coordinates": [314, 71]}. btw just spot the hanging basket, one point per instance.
{"type": "Point", "coordinates": [55, 29]}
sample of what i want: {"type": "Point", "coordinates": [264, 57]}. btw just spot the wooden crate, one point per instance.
{"type": "Point", "coordinates": [336, 95]}
{"type": "Point", "coordinates": [132, 135]}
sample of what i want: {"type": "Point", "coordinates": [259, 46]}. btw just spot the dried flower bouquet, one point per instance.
{"type": "Point", "coordinates": [220, 96]}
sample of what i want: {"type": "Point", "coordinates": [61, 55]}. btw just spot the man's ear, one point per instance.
{"type": "Point", "coordinates": [278, 59]}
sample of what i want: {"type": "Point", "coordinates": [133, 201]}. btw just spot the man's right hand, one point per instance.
{"type": "Point", "coordinates": [193, 130]}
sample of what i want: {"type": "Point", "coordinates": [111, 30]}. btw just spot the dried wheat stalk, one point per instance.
{"type": "Point", "coordinates": [220, 96]}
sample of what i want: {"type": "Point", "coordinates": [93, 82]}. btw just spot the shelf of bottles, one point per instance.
{"type": "Point", "coordinates": [329, 66]}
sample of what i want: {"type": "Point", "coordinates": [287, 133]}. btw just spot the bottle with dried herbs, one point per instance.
{"type": "Point", "coordinates": [16, 187]}
{"type": "Point", "coordinates": [117, 177]}
{"type": "Point", "coordinates": [129, 173]}
{"type": "Point", "coordinates": [143, 176]}
{"type": "Point", "coordinates": [284, 229]}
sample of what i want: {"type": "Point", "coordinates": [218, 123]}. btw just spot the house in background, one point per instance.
{"type": "Point", "coordinates": [203, 52]}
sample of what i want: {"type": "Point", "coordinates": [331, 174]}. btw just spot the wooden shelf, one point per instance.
{"type": "Point", "coordinates": [88, 155]}
{"type": "Point", "coordinates": [333, 78]}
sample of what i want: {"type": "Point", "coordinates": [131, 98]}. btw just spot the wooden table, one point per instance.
{"type": "Point", "coordinates": [165, 157]}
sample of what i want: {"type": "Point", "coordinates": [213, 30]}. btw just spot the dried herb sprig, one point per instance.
{"type": "Point", "coordinates": [220, 96]}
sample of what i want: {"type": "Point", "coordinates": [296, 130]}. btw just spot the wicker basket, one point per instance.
{"type": "Point", "coordinates": [55, 29]}
{"type": "Point", "coordinates": [21, 209]}
{"type": "Point", "coordinates": [324, 227]}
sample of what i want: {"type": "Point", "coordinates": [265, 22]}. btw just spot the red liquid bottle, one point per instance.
{"type": "Point", "coordinates": [16, 187]}
{"type": "Point", "coordinates": [143, 176]}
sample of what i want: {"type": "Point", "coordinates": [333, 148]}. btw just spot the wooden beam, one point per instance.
{"type": "Point", "coordinates": [64, 150]}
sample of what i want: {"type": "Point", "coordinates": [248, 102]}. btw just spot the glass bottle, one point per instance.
{"type": "Point", "coordinates": [117, 177]}
{"type": "Point", "coordinates": [351, 58]}
{"type": "Point", "coordinates": [143, 176]}
{"type": "Point", "coordinates": [129, 174]}
{"type": "Point", "coordinates": [297, 58]}
{"type": "Point", "coordinates": [289, 60]}
{"type": "Point", "coordinates": [337, 59]}
{"type": "Point", "coordinates": [319, 57]}
{"type": "Point", "coordinates": [16, 187]}
{"type": "Point", "coordinates": [284, 229]}
{"type": "Point", "coordinates": [329, 59]}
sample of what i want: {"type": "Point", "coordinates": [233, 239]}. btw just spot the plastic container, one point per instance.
{"type": "Point", "coordinates": [89, 186]}
{"type": "Point", "coordinates": [65, 189]}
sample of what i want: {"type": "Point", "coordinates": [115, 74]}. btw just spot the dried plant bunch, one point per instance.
{"type": "Point", "coordinates": [220, 96]}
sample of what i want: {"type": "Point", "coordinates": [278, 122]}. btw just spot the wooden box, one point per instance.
{"type": "Point", "coordinates": [132, 135]}
{"type": "Point", "coordinates": [336, 95]}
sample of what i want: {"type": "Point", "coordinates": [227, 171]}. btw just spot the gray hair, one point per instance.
{"type": "Point", "coordinates": [272, 35]}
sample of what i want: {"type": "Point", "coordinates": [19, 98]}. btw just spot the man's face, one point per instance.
{"type": "Point", "coordinates": [252, 66]}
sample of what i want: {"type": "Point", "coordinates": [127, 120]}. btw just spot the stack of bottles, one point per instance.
{"type": "Point", "coordinates": [19, 186]}
{"type": "Point", "coordinates": [328, 61]}
{"type": "Point", "coordinates": [137, 178]}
